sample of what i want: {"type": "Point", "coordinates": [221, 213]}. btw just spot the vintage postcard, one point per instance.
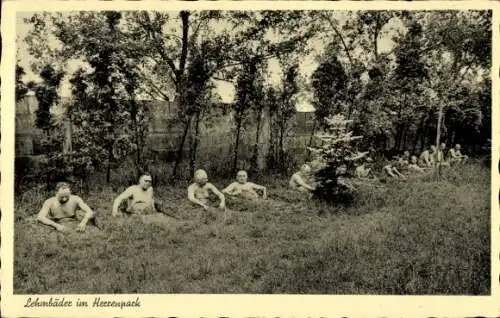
{"type": "Point", "coordinates": [250, 159]}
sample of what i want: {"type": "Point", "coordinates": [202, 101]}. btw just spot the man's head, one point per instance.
{"type": "Point", "coordinates": [63, 192]}
{"type": "Point", "coordinates": [458, 147]}
{"type": "Point", "coordinates": [200, 177]}
{"type": "Point", "coordinates": [145, 181]}
{"type": "Point", "coordinates": [242, 176]}
{"type": "Point", "coordinates": [406, 155]}
{"type": "Point", "coordinates": [443, 146]}
{"type": "Point", "coordinates": [305, 169]}
{"type": "Point", "coordinates": [413, 159]}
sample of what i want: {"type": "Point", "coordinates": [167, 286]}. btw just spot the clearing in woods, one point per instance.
{"type": "Point", "coordinates": [413, 237]}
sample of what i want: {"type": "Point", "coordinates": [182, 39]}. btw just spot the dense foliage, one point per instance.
{"type": "Point", "coordinates": [390, 72]}
{"type": "Point", "coordinates": [336, 157]}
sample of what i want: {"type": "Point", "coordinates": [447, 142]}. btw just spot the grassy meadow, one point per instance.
{"type": "Point", "coordinates": [403, 237]}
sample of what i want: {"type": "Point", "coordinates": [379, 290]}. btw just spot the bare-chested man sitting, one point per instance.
{"type": "Point", "coordinates": [427, 157]}
{"type": "Point", "coordinates": [363, 170]}
{"type": "Point", "coordinates": [199, 191]}
{"type": "Point", "coordinates": [456, 155]}
{"type": "Point", "coordinates": [140, 198]}
{"type": "Point", "coordinates": [413, 165]}
{"type": "Point", "coordinates": [299, 179]}
{"type": "Point", "coordinates": [441, 155]}
{"type": "Point", "coordinates": [405, 158]}
{"type": "Point", "coordinates": [62, 208]}
{"type": "Point", "coordinates": [245, 189]}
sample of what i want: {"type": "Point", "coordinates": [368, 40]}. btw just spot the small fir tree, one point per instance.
{"type": "Point", "coordinates": [336, 156]}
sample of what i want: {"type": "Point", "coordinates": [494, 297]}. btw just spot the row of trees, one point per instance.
{"type": "Point", "coordinates": [438, 61]}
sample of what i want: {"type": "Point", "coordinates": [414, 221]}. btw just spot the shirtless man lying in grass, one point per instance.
{"type": "Point", "coordinates": [300, 180]}
{"type": "Point", "coordinates": [62, 208]}
{"type": "Point", "coordinates": [199, 191]}
{"type": "Point", "coordinates": [391, 170]}
{"type": "Point", "coordinates": [139, 197]}
{"type": "Point", "coordinates": [413, 165]}
{"type": "Point", "coordinates": [456, 155]}
{"type": "Point", "coordinates": [245, 189]}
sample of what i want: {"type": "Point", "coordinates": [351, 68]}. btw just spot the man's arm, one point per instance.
{"type": "Point", "coordinates": [119, 199]}
{"type": "Point", "coordinates": [219, 194]}
{"type": "Point", "coordinates": [427, 159]}
{"type": "Point", "coordinates": [230, 189]}
{"type": "Point", "coordinates": [388, 170]}
{"type": "Point", "coordinates": [42, 216]}
{"type": "Point", "coordinates": [192, 198]}
{"type": "Point", "coordinates": [301, 182]}
{"type": "Point", "coordinates": [453, 154]}
{"type": "Point", "coordinates": [152, 199]}
{"type": "Point", "coordinates": [88, 214]}
{"type": "Point", "coordinates": [398, 173]}
{"type": "Point", "coordinates": [259, 187]}
{"type": "Point", "coordinates": [85, 208]}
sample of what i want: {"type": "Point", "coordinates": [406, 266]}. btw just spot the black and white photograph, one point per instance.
{"type": "Point", "coordinates": [297, 152]}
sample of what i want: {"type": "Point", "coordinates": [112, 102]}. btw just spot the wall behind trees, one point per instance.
{"type": "Point", "coordinates": [216, 142]}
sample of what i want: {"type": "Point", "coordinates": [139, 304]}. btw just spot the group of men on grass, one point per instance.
{"type": "Point", "coordinates": [427, 159]}
{"type": "Point", "coordinates": [394, 169]}
{"type": "Point", "coordinates": [139, 199]}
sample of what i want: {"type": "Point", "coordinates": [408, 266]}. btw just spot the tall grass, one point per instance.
{"type": "Point", "coordinates": [413, 237]}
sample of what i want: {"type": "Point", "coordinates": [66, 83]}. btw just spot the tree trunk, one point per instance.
{"type": "Point", "coordinates": [404, 136]}
{"type": "Point", "coordinates": [138, 151]}
{"type": "Point", "coordinates": [399, 125]}
{"type": "Point", "coordinates": [108, 168]}
{"type": "Point", "coordinates": [375, 36]}
{"type": "Point", "coordinates": [281, 153]}
{"type": "Point", "coordinates": [67, 145]}
{"type": "Point", "coordinates": [311, 138]}
{"type": "Point", "coordinates": [438, 136]}
{"type": "Point", "coordinates": [180, 149]}
{"type": "Point", "coordinates": [255, 160]}
{"type": "Point", "coordinates": [418, 134]}
{"type": "Point", "coordinates": [397, 141]}
{"type": "Point", "coordinates": [194, 147]}
{"type": "Point", "coordinates": [271, 155]}
{"type": "Point", "coordinates": [239, 122]}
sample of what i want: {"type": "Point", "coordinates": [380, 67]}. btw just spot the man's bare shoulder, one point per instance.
{"type": "Point", "coordinates": [132, 189]}
{"type": "Point", "coordinates": [295, 175]}
{"type": "Point", "coordinates": [75, 197]}
{"type": "Point", "coordinates": [49, 201]}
